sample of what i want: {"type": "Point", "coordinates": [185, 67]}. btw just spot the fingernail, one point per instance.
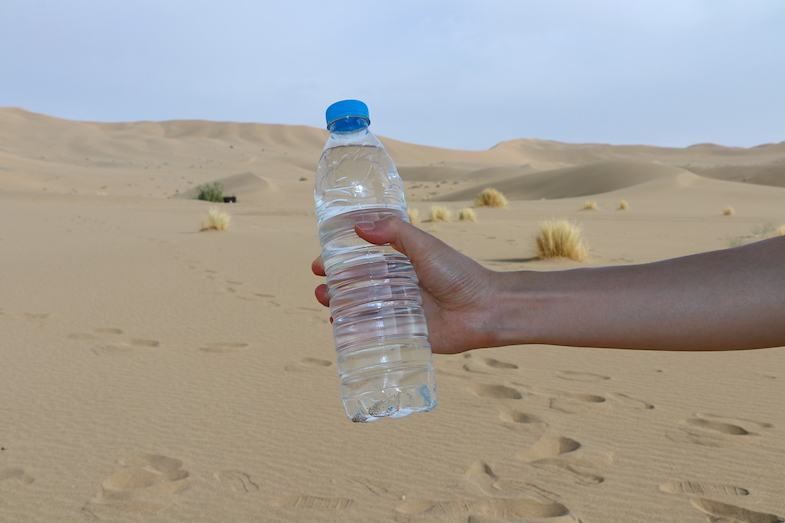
{"type": "Point", "coordinates": [366, 226]}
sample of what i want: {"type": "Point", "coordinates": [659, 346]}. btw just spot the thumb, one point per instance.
{"type": "Point", "coordinates": [402, 236]}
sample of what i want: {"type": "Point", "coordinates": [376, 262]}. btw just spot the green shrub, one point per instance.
{"type": "Point", "coordinates": [211, 192]}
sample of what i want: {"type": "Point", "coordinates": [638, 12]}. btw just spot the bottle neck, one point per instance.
{"type": "Point", "coordinates": [356, 135]}
{"type": "Point", "coordinates": [351, 133]}
{"type": "Point", "coordinates": [349, 125]}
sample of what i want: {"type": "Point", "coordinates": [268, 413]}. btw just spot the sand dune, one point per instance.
{"type": "Point", "coordinates": [773, 174]}
{"type": "Point", "coordinates": [700, 155]}
{"type": "Point", "coordinates": [153, 373]}
{"type": "Point", "coordinates": [572, 182]}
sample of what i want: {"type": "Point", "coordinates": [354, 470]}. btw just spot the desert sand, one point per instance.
{"type": "Point", "coordinates": [151, 372]}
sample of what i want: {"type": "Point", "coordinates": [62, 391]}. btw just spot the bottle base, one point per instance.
{"type": "Point", "coordinates": [391, 402]}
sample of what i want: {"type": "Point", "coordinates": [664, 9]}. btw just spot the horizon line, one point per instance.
{"type": "Point", "coordinates": [510, 140]}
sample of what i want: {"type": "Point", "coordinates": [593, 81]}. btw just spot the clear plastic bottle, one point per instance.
{"type": "Point", "coordinates": [379, 328]}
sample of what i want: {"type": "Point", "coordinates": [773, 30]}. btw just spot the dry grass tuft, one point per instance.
{"type": "Point", "coordinates": [414, 215]}
{"type": "Point", "coordinates": [467, 215]}
{"type": "Point", "coordinates": [589, 205]}
{"type": "Point", "coordinates": [728, 211]}
{"type": "Point", "coordinates": [560, 239]}
{"type": "Point", "coordinates": [490, 197]}
{"type": "Point", "coordinates": [781, 230]}
{"type": "Point", "coordinates": [440, 214]}
{"type": "Point", "coordinates": [623, 205]}
{"type": "Point", "coordinates": [216, 220]}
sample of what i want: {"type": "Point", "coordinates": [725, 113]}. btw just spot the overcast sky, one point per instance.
{"type": "Point", "coordinates": [451, 73]}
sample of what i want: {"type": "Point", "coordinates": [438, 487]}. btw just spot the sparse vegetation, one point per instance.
{"type": "Point", "coordinates": [623, 205]}
{"type": "Point", "coordinates": [414, 215]}
{"type": "Point", "coordinates": [467, 215]}
{"type": "Point", "coordinates": [560, 239]}
{"type": "Point", "coordinates": [211, 192]}
{"type": "Point", "coordinates": [728, 211]}
{"type": "Point", "coordinates": [589, 205]}
{"type": "Point", "coordinates": [490, 197]}
{"type": "Point", "coordinates": [216, 220]}
{"type": "Point", "coordinates": [440, 214]}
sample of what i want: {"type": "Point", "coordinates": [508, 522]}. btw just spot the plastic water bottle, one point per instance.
{"type": "Point", "coordinates": [379, 328]}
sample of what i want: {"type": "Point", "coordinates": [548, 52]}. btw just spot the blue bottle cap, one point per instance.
{"type": "Point", "coordinates": [347, 109]}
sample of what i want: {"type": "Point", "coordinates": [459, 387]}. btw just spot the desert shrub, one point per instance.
{"type": "Point", "coordinates": [440, 214]}
{"type": "Point", "coordinates": [211, 192]}
{"type": "Point", "coordinates": [414, 215]}
{"type": "Point", "coordinates": [589, 205]}
{"type": "Point", "coordinates": [623, 205]}
{"type": "Point", "coordinates": [560, 239]}
{"type": "Point", "coordinates": [728, 211]}
{"type": "Point", "coordinates": [216, 220]}
{"type": "Point", "coordinates": [467, 215]}
{"type": "Point", "coordinates": [490, 197]}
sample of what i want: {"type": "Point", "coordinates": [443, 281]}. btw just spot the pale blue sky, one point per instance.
{"type": "Point", "coordinates": [451, 73]}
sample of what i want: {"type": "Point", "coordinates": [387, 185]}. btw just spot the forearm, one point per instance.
{"type": "Point", "coordinates": [721, 300]}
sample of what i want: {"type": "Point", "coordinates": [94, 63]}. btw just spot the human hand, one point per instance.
{"type": "Point", "coordinates": [457, 292]}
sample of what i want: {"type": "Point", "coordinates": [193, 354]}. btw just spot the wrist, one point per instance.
{"type": "Point", "coordinates": [524, 309]}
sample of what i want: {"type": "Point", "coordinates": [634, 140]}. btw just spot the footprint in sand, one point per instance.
{"type": "Point", "coordinates": [488, 365]}
{"type": "Point", "coordinates": [573, 375]}
{"type": "Point", "coordinates": [718, 426]}
{"type": "Point", "coordinates": [145, 483]}
{"type": "Point", "coordinates": [237, 480]}
{"type": "Point", "coordinates": [549, 447]}
{"type": "Point", "coordinates": [725, 512]}
{"type": "Point", "coordinates": [490, 507]}
{"type": "Point", "coordinates": [223, 346]}
{"type": "Point", "coordinates": [482, 476]}
{"type": "Point", "coordinates": [518, 417]}
{"type": "Point", "coordinates": [557, 452]}
{"type": "Point", "coordinates": [741, 421]}
{"type": "Point", "coordinates": [111, 348]}
{"type": "Point", "coordinates": [108, 330]}
{"type": "Point", "coordinates": [15, 474]}
{"type": "Point", "coordinates": [699, 488]}
{"type": "Point", "coordinates": [114, 346]}
{"type": "Point", "coordinates": [316, 503]}
{"type": "Point", "coordinates": [631, 402]}
{"type": "Point", "coordinates": [573, 403]}
{"type": "Point", "coordinates": [141, 342]}
{"type": "Point", "coordinates": [712, 430]}
{"type": "Point", "coordinates": [580, 472]}
{"type": "Point", "coordinates": [307, 363]}
{"type": "Point", "coordinates": [86, 336]}
{"type": "Point", "coordinates": [485, 390]}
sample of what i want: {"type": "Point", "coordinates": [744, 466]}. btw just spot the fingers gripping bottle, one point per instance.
{"type": "Point", "coordinates": [379, 329]}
